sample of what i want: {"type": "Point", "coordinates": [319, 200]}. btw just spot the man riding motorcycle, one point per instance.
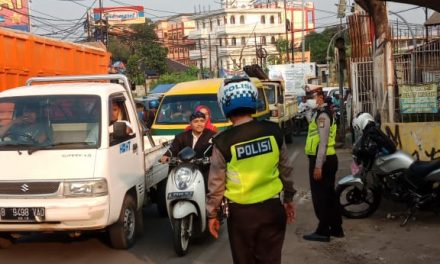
{"type": "Point", "coordinates": [198, 138]}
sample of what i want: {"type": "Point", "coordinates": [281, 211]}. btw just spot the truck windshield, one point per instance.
{"type": "Point", "coordinates": [176, 109]}
{"type": "Point", "coordinates": [270, 92]}
{"type": "Point", "coordinates": [70, 121]}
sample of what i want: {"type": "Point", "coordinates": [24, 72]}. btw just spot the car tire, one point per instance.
{"type": "Point", "coordinates": [161, 199]}
{"type": "Point", "coordinates": [122, 234]}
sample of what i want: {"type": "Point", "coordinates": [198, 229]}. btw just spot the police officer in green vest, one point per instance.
{"type": "Point", "coordinates": [249, 166]}
{"type": "Point", "coordinates": [323, 164]}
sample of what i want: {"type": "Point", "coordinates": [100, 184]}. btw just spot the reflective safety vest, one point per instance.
{"type": "Point", "coordinates": [252, 153]}
{"type": "Point", "coordinates": [312, 141]}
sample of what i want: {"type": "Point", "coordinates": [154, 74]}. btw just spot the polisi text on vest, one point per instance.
{"type": "Point", "coordinates": [254, 148]}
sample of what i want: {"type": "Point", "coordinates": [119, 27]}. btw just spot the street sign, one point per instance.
{"type": "Point", "coordinates": [341, 8]}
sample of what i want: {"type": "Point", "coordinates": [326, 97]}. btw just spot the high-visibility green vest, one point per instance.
{"type": "Point", "coordinates": [252, 174]}
{"type": "Point", "coordinates": [252, 152]}
{"type": "Point", "coordinates": [312, 141]}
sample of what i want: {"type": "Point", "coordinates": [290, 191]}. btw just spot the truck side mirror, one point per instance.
{"type": "Point", "coordinates": [120, 130]}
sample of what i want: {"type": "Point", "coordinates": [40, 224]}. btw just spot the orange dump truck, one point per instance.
{"type": "Point", "coordinates": [24, 55]}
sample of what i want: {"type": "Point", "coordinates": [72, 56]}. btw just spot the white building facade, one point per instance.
{"type": "Point", "coordinates": [242, 32]}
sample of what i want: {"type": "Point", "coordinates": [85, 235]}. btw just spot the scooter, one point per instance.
{"type": "Point", "coordinates": [186, 198]}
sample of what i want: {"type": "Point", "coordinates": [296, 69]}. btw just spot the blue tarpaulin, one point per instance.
{"type": "Point", "coordinates": [162, 88]}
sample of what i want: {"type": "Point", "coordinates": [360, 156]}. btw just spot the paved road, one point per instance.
{"type": "Point", "coordinates": [373, 240]}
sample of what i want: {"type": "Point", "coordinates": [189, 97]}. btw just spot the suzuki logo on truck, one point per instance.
{"type": "Point", "coordinates": [24, 188]}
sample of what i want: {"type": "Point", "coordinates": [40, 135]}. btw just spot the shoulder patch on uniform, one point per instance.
{"type": "Point", "coordinates": [321, 122]}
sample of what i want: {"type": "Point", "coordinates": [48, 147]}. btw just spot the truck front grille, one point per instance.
{"type": "Point", "coordinates": [28, 188]}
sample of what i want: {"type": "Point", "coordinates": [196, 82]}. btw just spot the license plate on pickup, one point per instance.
{"type": "Point", "coordinates": [22, 214]}
{"type": "Point", "coordinates": [180, 195]}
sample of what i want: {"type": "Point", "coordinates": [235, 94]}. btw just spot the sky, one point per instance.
{"type": "Point", "coordinates": [65, 14]}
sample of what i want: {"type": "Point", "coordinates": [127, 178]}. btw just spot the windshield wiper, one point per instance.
{"type": "Point", "coordinates": [50, 146]}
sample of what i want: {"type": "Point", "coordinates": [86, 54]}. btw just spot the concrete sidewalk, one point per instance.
{"type": "Point", "coordinates": [377, 239]}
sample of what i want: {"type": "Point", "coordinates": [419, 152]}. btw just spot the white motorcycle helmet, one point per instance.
{"type": "Point", "coordinates": [237, 93]}
{"type": "Point", "coordinates": [361, 121]}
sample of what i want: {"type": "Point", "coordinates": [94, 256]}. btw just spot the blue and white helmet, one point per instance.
{"type": "Point", "coordinates": [237, 93]}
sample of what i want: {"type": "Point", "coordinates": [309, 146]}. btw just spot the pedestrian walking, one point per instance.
{"type": "Point", "coordinates": [323, 164]}
{"type": "Point", "coordinates": [249, 166]}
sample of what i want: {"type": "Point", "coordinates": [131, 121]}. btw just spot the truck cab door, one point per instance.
{"type": "Point", "coordinates": [125, 153]}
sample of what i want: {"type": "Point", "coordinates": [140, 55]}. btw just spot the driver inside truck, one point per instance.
{"type": "Point", "coordinates": [26, 128]}
{"type": "Point", "coordinates": [116, 115]}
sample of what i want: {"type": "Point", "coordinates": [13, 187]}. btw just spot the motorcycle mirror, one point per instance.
{"type": "Point", "coordinates": [207, 149]}
{"type": "Point", "coordinates": [378, 120]}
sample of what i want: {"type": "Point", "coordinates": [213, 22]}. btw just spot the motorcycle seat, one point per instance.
{"type": "Point", "coordinates": [422, 168]}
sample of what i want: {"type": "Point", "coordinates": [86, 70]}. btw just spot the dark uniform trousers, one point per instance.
{"type": "Point", "coordinates": [256, 232]}
{"type": "Point", "coordinates": [324, 198]}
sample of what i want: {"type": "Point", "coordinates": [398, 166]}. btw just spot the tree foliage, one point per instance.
{"type": "Point", "coordinates": [282, 46]}
{"type": "Point", "coordinates": [318, 44]}
{"type": "Point", "coordinates": [141, 51]}
{"type": "Point", "coordinates": [177, 77]}
{"type": "Point", "coordinates": [119, 49]}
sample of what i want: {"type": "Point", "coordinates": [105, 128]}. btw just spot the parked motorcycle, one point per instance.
{"type": "Point", "coordinates": [185, 198]}
{"type": "Point", "coordinates": [379, 170]}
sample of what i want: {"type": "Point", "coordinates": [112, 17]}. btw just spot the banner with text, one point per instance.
{"type": "Point", "coordinates": [126, 15]}
{"type": "Point", "coordinates": [14, 14]}
{"type": "Point", "coordinates": [418, 98]}
{"type": "Point", "coordinates": [295, 76]}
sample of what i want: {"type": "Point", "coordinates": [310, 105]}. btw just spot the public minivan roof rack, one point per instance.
{"type": "Point", "coordinates": [99, 77]}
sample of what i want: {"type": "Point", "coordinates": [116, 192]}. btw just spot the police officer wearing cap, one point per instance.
{"type": "Point", "coordinates": [323, 164]}
{"type": "Point", "coordinates": [249, 166]}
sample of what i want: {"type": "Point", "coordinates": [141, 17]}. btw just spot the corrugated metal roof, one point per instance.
{"type": "Point", "coordinates": [433, 4]}
{"type": "Point", "coordinates": [433, 20]}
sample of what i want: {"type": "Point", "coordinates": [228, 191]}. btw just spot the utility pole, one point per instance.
{"type": "Point", "coordinates": [209, 50]}
{"type": "Point", "coordinates": [201, 58]}
{"type": "Point", "coordinates": [216, 61]}
{"type": "Point", "coordinates": [287, 34]}
{"type": "Point", "coordinates": [302, 31]}
{"type": "Point", "coordinates": [340, 45]}
{"type": "Point", "coordinates": [256, 47]}
{"type": "Point", "coordinates": [426, 27]}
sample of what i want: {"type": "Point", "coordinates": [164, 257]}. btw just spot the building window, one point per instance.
{"type": "Point", "coordinates": [218, 21]}
{"type": "Point", "coordinates": [243, 41]}
{"type": "Point", "coordinates": [233, 41]}
{"type": "Point", "coordinates": [203, 25]}
{"type": "Point", "coordinates": [226, 42]}
{"type": "Point", "coordinates": [165, 35]}
{"type": "Point", "coordinates": [244, 63]}
{"type": "Point", "coordinates": [279, 18]}
{"type": "Point", "coordinates": [272, 40]}
{"type": "Point", "coordinates": [234, 63]}
{"type": "Point", "coordinates": [272, 19]}
{"type": "Point", "coordinates": [225, 20]}
{"type": "Point", "coordinates": [232, 20]}
{"type": "Point", "coordinates": [241, 19]}
{"type": "Point", "coordinates": [263, 20]}
{"type": "Point", "coordinates": [210, 25]}
{"type": "Point", "coordinates": [263, 40]}
{"type": "Point", "coordinates": [220, 42]}
{"type": "Point", "coordinates": [197, 25]}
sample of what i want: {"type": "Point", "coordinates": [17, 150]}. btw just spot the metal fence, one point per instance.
{"type": "Point", "coordinates": [362, 84]}
{"type": "Point", "coordinates": [417, 74]}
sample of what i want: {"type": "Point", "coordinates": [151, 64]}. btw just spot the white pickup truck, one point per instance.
{"type": "Point", "coordinates": [86, 172]}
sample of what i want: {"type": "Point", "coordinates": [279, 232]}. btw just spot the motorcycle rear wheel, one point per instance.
{"type": "Point", "coordinates": [182, 233]}
{"type": "Point", "coordinates": [350, 196]}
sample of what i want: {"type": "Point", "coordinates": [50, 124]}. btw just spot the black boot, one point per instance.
{"type": "Point", "coordinates": [315, 236]}
{"type": "Point", "coordinates": [337, 232]}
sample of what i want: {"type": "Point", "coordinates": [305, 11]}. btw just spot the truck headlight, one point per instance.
{"type": "Point", "coordinates": [183, 178]}
{"type": "Point", "coordinates": [85, 188]}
